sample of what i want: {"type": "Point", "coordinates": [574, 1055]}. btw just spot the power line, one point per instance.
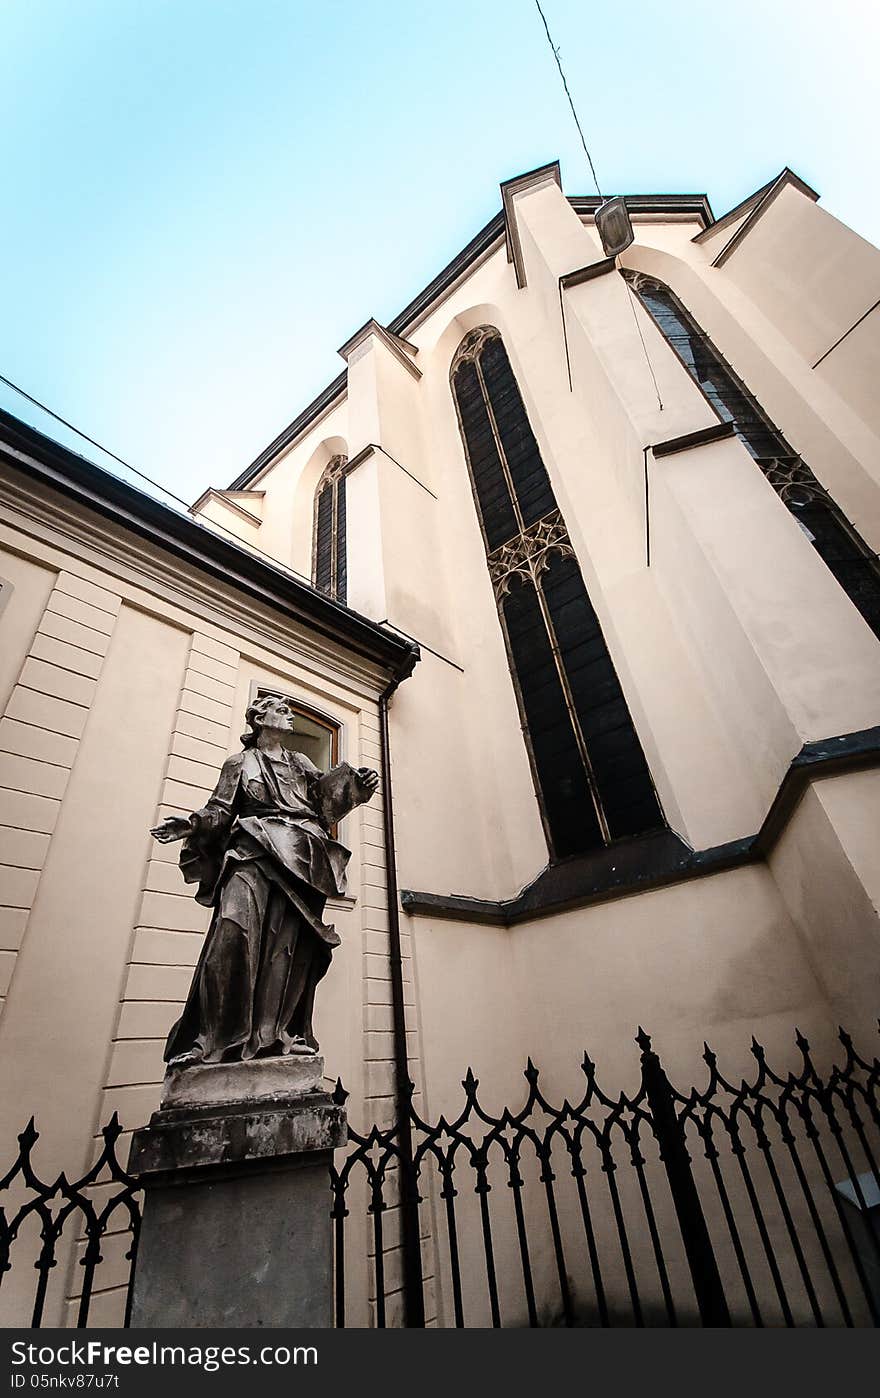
{"type": "Point", "coordinates": [631, 297]}
{"type": "Point", "coordinates": [149, 479]}
{"type": "Point", "coordinates": [602, 197]}
{"type": "Point", "coordinates": [568, 95]}
{"type": "Point", "coordinates": [86, 438]}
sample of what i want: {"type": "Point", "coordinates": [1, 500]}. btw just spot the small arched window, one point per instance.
{"type": "Point", "coordinates": [328, 538]}
{"type": "Point", "coordinates": [591, 777]}
{"type": "Point", "coordinates": [838, 544]}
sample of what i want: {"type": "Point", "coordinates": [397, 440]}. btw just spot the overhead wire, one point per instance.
{"type": "Point", "coordinates": [86, 438]}
{"type": "Point", "coordinates": [242, 543]}
{"type": "Point", "coordinates": [555, 51]}
{"type": "Point", "coordinates": [629, 295]}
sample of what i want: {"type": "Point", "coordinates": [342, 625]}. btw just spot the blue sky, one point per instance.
{"type": "Point", "coordinates": [204, 199]}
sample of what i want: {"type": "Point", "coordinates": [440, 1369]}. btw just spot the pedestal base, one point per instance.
{"type": "Point", "coordinates": [255, 1081]}
{"type": "Point", "coordinates": [236, 1224]}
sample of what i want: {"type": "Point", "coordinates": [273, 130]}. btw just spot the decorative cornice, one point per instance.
{"type": "Point", "coordinates": [653, 861]}
{"type": "Point", "coordinates": [651, 206]}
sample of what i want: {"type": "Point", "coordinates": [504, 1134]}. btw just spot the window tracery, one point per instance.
{"type": "Point", "coordinates": [591, 777]}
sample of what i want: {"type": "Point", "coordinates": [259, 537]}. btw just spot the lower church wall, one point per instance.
{"type": "Point", "coordinates": [754, 951]}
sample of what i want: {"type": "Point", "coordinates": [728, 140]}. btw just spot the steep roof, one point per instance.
{"type": "Point", "coordinates": [490, 236]}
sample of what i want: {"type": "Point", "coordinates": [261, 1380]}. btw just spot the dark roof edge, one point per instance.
{"type": "Point", "coordinates": [785, 178]}
{"type": "Point", "coordinates": [325, 399]}
{"type": "Point", "coordinates": [90, 485]}
{"type": "Point", "coordinates": [730, 217]}
{"type": "Point", "coordinates": [697, 204]}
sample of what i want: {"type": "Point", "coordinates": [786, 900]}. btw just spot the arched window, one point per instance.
{"type": "Point", "coordinates": [835, 540]}
{"type": "Point", "coordinates": [328, 546]}
{"type": "Point", "coordinates": [590, 773]}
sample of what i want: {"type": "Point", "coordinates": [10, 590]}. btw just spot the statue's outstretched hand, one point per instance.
{"type": "Point", "coordinates": [369, 782]}
{"type": "Point", "coordinates": [173, 828]}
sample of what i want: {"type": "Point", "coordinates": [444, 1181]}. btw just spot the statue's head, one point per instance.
{"type": "Point", "coordinates": [270, 711]}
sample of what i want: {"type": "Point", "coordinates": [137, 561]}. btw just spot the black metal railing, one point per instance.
{"type": "Point", "coordinates": [749, 1204]}
{"type": "Point", "coordinates": [103, 1203]}
{"type": "Point", "coordinates": [753, 1204]}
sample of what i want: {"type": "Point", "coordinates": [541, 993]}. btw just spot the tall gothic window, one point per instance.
{"type": "Point", "coordinates": [328, 540]}
{"type": "Point", "coordinates": [590, 773]}
{"type": "Point", "coordinates": [842, 549]}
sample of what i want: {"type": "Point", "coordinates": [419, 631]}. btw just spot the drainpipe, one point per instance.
{"type": "Point", "coordinates": [413, 1293]}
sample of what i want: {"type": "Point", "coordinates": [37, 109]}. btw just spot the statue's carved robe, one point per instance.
{"type": "Point", "coordinates": [263, 858]}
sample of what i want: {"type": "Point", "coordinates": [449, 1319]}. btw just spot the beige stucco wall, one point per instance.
{"type": "Point", "coordinates": [129, 676]}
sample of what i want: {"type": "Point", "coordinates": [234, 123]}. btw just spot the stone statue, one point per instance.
{"type": "Point", "coordinates": [263, 856]}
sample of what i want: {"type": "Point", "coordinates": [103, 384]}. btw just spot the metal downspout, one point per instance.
{"type": "Point", "coordinates": [414, 1301]}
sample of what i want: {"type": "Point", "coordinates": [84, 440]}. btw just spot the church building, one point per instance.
{"type": "Point", "coordinates": [580, 554]}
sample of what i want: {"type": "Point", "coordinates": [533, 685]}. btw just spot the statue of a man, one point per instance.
{"type": "Point", "coordinates": [263, 857]}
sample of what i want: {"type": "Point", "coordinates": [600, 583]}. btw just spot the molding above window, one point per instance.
{"type": "Point", "coordinates": [588, 273]}
{"type": "Point", "coordinates": [703, 435]}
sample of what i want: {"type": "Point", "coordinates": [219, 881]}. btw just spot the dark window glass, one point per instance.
{"type": "Point", "coordinates": [620, 771]}
{"type": "Point", "coordinates": [568, 805]}
{"type": "Point", "coordinates": [329, 570]}
{"type": "Point", "coordinates": [531, 485]}
{"type": "Point", "coordinates": [845, 555]}
{"type": "Point", "coordinates": [493, 495]}
{"type": "Point", "coordinates": [591, 776]}
{"type": "Point", "coordinates": [835, 540]}
{"type": "Point", "coordinates": [341, 563]}
{"type": "Point", "coordinates": [324, 540]}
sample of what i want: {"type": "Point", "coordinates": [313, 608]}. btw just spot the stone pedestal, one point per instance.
{"type": "Point", "coordinates": [236, 1225]}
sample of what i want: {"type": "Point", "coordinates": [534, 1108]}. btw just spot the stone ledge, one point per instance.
{"type": "Point", "coordinates": [183, 1139]}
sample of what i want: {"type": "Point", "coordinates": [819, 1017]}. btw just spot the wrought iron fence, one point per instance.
{"type": "Point", "coordinates": [91, 1207]}
{"type": "Point", "coordinates": [749, 1204]}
